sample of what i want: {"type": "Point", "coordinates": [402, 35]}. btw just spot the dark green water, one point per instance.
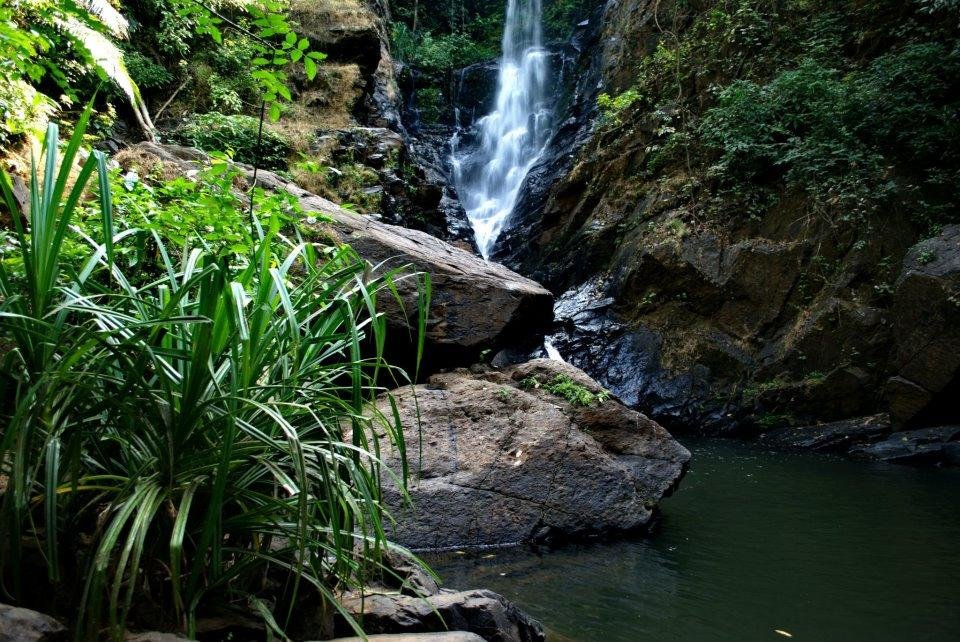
{"type": "Point", "coordinates": [820, 547]}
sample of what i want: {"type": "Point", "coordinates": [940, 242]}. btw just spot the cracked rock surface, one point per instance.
{"type": "Point", "coordinates": [499, 460]}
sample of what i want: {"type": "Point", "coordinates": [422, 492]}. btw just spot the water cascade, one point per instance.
{"type": "Point", "coordinates": [511, 137]}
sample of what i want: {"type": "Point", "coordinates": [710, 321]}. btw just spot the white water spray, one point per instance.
{"type": "Point", "coordinates": [513, 135]}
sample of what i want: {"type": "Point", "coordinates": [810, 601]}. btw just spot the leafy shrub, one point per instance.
{"type": "Point", "coordinates": [441, 52]}
{"type": "Point", "coordinates": [235, 134]}
{"type": "Point", "coordinates": [835, 136]}
{"type": "Point", "coordinates": [203, 441]}
{"type": "Point", "coordinates": [200, 211]}
{"type": "Point", "coordinates": [563, 386]}
{"type": "Point", "coordinates": [145, 72]}
{"type": "Point", "coordinates": [430, 103]}
{"type": "Point", "coordinates": [611, 107]}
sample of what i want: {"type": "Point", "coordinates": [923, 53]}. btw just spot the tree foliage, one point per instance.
{"type": "Point", "coordinates": [56, 52]}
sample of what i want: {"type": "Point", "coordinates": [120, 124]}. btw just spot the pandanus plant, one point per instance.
{"type": "Point", "coordinates": [206, 438]}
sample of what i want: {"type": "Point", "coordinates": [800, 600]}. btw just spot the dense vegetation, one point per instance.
{"type": "Point", "coordinates": [853, 105]}
{"type": "Point", "coordinates": [188, 365]}
{"type": "Point", "coordinates": [153, 53]}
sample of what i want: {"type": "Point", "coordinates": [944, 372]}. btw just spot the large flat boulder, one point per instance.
{"type": "Point", "coordinates": [476, 305]}
{"type": "Point", "coordinates": [534, 452]}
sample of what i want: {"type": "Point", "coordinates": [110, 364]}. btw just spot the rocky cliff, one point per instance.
{"type": "Point", "coordinates": [346, 125]}
{"type": "Point", "coordinates": [720, 278]}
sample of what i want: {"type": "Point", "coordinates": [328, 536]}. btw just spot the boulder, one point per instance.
{"type": "Point", "coordinates": [479, 612]}
{"type": "Point", "coordinates": [533, 452]}
{"type": "Point", "coordinates": [449, 636]}
{"type": "Point", "coordinates": [837, 436]}
{"type": "Point", "coordinates": [476, 305]}
{"type": "Point", "coordinates": [23, 625]}
{"type": "Point", "coordinates": [940, 445]}
{"type": "Point", "coordinates": [926, 322]}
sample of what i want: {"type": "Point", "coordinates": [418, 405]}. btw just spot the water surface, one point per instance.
{"type": "Point", "coordinates": [752, 543]}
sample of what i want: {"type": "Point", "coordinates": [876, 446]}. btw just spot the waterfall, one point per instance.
{"type": "Point", "coordinates": [512, 137]}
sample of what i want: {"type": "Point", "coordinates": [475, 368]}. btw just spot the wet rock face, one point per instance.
{"type": "Point", "coordinates": [724, 326]}
{"type": "Point", "coordinates": [524, 464]}
{"type": "Point", "coordinates": [578, 70]}
{"type": "Point", "coordinates": [838, 437]}
{"type": "Point", "coordinates": [349, 118]}
{"type": "Point", "coordinates": [410, 186]}
{"type": "Point", "coordinates": [870, 439]}
{"type": "Point", "coordinates": [939, 446]}
{"type": "Point", "coordinates": [926, 322]}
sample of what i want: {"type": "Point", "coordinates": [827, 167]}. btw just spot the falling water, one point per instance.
{"type": "Point", "coordinates": [513, 135]}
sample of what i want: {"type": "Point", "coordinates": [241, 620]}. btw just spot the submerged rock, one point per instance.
{"type": "Point", "coordinates": [532, 452]}
{"type": "Point", "coordinates": [939, 445]}
{"type": "Point", "coordinates": [837, 436]}
{"type": "Point", "coordinates": [449, 636]}
{"type": "Point", "coordinates": [478, 612]}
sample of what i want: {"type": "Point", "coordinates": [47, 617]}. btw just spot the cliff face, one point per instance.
{"type": "Point", "coordinates": [713, 288]}
{"type": "Point", "coordinates": [348, 119]}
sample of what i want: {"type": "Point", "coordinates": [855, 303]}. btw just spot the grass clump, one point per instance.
{"type": "Point", "coordinates": [565, 387]}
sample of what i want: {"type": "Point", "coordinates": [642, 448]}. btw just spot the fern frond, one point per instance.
{"type": "Point", "coordinates": [112, 19]}
{"type": "Point", "coordinates": [107, 58]}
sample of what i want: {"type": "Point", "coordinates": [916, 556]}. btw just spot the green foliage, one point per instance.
{"type": "Point", "coordinates": [203, 441]}
{"type": "Point", "coordinates": [202, 211]}
{"type": "Point", "coordinates": [237, 135]}
{"type": "Point", "coordinates": [67, 48]}
{"type": "Point", "coordinates": [836, 136]}
{"type": "Point", "coordinates": [563, 386]}
{"type": "Point", "coordinates": [430, 103]}
{"type": "Point", "coordinates": [561, 16]}
{"type": "Point", "coordinates": [612, 107]}
{"type": "Point", "coordinates": [442, 36]}
{"type": "Point", "coordinates": [22, 107]}
{"type": "Point", "coordinates": [350, 184]}
{"type": "Point", "coordinates": [752, 101]}
{"type": "Point", "coordinates": [275, 45]}
{"type": "Point", "coordinates": [441, 52]}
{"type": "Point", "coordinates": [61, 42]}
{"type": "Point", "coordinates": [145, 72]}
